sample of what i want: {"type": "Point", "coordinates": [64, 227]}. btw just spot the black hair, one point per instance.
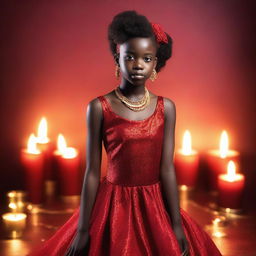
{"type": "Point", "coordinates": [130, 24]}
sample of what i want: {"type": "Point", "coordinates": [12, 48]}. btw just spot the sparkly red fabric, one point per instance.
{"type": "Point", "coordinates": [129, 217]}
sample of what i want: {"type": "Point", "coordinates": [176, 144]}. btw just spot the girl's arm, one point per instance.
{"type": "Point", "coordinates": [93, 163]}
{"type": "Point", "coordinates": [167, 172]}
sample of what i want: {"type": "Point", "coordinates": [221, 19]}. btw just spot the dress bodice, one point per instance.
{"type": "Point", "coordinates": [133, 147]}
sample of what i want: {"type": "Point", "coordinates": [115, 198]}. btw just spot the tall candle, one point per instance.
{"type": "Point", "coordinates": [217, 160]}
{"type": "Point", "coordinates": [70, 182]}
{"type": "Point", "coordinates": [231, 186]}
{"type": "Point", "coordinates": [33, 161]}
{"type": "Point", "coordinates": [69, 169]}
{"type": "Point", "coordinates": [58, 152]}
{"type": "Point", "coordinates": [186, 161]}
{"type": "Point", "coordinates": [46, 147]}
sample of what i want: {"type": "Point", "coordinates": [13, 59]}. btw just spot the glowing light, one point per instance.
{"type": "Point", "coordinates": [31, 146]}
{"type": "Point", "coordinates": [231, 175]}
{"type": "Point", "coordinates": [42, 131]}
{"type": "Point", "coordinates": [187, 143]}
{"type": "Point", "coordinates": [61, 144]}
{"type": "Point", "coordinates": [14, 216]}
{"type": "Point", "coordinates": [224, 144]}
{"type": "Point", "coordinates": [183, 187]}
{"type": "Point", "coordinates": [69, 153]}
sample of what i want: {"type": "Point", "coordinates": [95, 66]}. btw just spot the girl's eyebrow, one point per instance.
{"type": "Point", "coordinates": [134, 52]}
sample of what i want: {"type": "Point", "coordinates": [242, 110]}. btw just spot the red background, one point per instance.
{"type": "Point", "coordinates": [55, 59]}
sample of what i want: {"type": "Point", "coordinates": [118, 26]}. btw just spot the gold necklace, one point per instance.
{"type": "Point", "coordinates": [135, 106]}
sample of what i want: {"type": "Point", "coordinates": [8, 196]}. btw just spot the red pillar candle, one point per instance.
{"type": "Point", "coordinates": [186, 162]}
{"type": "Point", "coordinates": [33, 161]}
{"type": "Point", "coordinates": [69, 172]}
{"type": "Point", "coordinates": [230, 187]}
{"type": "Point", "coordinates": [57, 153]}
{"type": "Point", "coordinates": [217, 160]}
{"type": "Point", "coordinates": [47, 147]}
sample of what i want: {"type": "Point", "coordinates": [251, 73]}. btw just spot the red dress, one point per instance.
{"type": "Point", "coordinates": [129, 217]}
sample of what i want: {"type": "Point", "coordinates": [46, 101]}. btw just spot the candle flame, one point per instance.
{"type": "Point", "coordinates": [231, 172]}
{"type": "Point", "coordinates": [61, 143]}
{"type": "Point", "coordinates": [187, 144]}
{"type": "Point", "coordinates": [223, 144]}
{"type": "Point", "coordinates": [69, 153]}
{"type": "Point", "coordinates": [14, 216]}
{"type": "Point", "coordinates": [31, 146]}
{"type": "Point", "coordinates": [42, 131]}
{"type": "Point", "coordinates": [12, 206]}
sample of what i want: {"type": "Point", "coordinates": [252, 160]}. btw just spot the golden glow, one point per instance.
{"type": "Point", "coordinates": [14, 216]}
{"type": "Point", "coordinates": [42, 131]}
{"type": "Point", "coordinates": [69, 153]}
{"type": "Point", "coordinates": [224, 144]}
{"type": "Point", "coordinates": [14, 206]}
{"type": "Point", "coordinates": [31, 146]}
{"type": "Point", "coordinates": [218, 234]}
{"type": "Point", "coordinates": [183, 188]}
{"type": "Point", "coordinates": [186, 143]}
{"type": "Point", "coordinates": [61, 143]}
{"type": "Point", "coordinates": [231, 171]}
{"type": "Point", "coordinates": [231, 175]}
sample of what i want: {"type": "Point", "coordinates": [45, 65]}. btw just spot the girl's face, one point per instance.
{"type": "Point", "coordinates": [137, 59]}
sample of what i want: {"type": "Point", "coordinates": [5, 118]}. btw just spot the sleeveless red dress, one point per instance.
{"type": "Point", "coordinates": [129, 217]}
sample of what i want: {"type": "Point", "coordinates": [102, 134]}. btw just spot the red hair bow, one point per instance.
{"type": "Point", "coordinates": [159, 33]}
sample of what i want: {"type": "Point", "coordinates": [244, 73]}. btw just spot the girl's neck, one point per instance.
{"type": "Point", "coordinates": [129, 90]}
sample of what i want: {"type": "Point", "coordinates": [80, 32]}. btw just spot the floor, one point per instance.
{"type": "Point", "coordinates": [234, 234]}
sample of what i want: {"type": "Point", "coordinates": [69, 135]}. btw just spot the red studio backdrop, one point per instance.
{"type": "Point", "coordinates": [55, 59]}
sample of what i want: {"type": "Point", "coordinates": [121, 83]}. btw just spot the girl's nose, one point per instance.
{"type": "Point", "coordinates": [138, 64]}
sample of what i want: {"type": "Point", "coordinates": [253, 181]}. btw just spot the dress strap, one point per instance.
{"type": "Point", "coordinates": [161, 105]}
{"type": "Point", "coordinates": [103, 102]}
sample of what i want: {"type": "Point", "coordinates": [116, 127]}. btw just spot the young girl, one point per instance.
{"type": "Point", "coordinates": [134, 210]}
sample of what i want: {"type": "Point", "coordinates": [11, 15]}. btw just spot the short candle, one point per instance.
{"type": "Point", "coordinates": [14, 223]}
{"type": "Point", "coordinates": [186, 162]}
{"type": "Point", "coordinates": [231, 186]}
{"type": "Point", "coordinates": [217, 160]}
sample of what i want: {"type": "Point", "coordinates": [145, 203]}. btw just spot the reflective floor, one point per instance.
{"type": "Point", "coordinates": [234, 234]}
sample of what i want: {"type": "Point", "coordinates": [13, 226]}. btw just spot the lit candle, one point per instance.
{"type": "Point", "coordinates": [33, 161]}
{"type": "Point", "coordinates": [69, 168]}
{"type": "Point", "coordinates": [186, 162]}
{"type": "Point", "coordinates": [16, 200]}
{"type": "Point", "coordinates": [231, 186]}
{"type": "Point", "coordinates": [47, 147]}
{"type": "Point", "coordinates": [14, 224]}
{"type": "Point", "coordinates": [61, 146]}
{"type": "Point", "coordinates": [217, 160]}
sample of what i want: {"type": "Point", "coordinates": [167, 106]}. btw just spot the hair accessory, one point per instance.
{"type": "Point", "coordinates": [159, 33]}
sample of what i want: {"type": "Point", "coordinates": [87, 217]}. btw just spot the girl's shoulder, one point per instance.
{"type": "Point", "coordinates": [169, 107]}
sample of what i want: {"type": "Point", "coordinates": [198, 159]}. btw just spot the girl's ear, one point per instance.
{"type": "Point", "coordinates": [155, 62]}
{"type": "Point", "coordinates": [116, 58]}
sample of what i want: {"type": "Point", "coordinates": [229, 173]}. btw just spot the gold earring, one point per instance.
{"type": "Point", "coordinates": [117, 72]}
{"type": "Point", "coordinates": [153, 76]}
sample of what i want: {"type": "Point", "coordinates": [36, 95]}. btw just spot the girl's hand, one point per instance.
{"type": "Point", "coordinates": [181, 238]}
{"type": "Point", "coordinates": [79, 245]}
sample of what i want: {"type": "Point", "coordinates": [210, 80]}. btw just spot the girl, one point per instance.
{"type": "Point", "coordinates": [134, 210]}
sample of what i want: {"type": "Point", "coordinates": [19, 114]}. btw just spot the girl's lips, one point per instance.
{"type": "Point", "coordinates": [137, 76]}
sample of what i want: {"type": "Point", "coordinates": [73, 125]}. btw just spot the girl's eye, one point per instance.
{"type": "Point", "coordinates": [128, 57]}
{"type": "Point", "coordinates": [148, 59]}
